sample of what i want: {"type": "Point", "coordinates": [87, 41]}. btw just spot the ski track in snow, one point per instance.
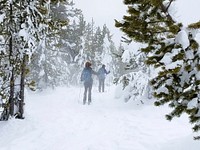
{"type": "Point", "coordinates": [57, 120]}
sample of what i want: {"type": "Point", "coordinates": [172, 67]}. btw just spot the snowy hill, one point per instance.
{"type": "Point", "coordinates": [56, 120]}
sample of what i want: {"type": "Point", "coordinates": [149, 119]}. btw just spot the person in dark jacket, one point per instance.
{"type": "Point", "coordinates": [86, 77]}
{"type": "Point", "coordinates": [102, 72]}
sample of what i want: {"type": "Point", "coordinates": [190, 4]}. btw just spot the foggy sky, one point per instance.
{"type": "Point", "coordinates": [103, 12]}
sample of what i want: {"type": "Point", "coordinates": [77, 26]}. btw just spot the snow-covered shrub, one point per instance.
{"type": "Point", "coordinates": [133, 86]}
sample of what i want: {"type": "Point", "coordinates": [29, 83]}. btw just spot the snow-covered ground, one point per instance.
{"type": "Point", "coordinates": [56, 120]}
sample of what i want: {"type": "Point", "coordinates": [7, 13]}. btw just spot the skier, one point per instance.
{"type": "Point", "coordinates": [86, 77]}
{"type": "Point", "coordinates": [102, 72]}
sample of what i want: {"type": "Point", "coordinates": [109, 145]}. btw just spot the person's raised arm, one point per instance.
{"type": "Point", "coordinates": [107, 72]}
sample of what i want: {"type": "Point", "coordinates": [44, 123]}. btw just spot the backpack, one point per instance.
{"type": "Point", "coordinates": [86, 75]}
{"type": "Point", "coordinates": [101, 73]}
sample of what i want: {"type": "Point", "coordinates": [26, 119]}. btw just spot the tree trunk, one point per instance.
{"type": "Point", "coordinates": [22, 87]}
{"type": "Point", "coordinates": [12, 88]}
{"type": "Point", "coordinates": [12, 81]}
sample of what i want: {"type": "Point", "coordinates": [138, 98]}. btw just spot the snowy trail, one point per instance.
{"type": "Point", "coordinates": [57, 120]}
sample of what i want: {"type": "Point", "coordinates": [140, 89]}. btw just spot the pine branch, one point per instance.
{"type": "Point", "coordinates": [2, 4]}
{"type": "Point", "coordinates": [169, 4]}
{"type": "Point", "coordinates": [165, 10]}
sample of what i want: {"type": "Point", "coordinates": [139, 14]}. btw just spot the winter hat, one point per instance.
{"type": "Point", "coordinates": [88, 64]}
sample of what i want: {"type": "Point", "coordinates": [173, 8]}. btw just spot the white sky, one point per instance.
{"type": "Point", "coordinates": [105, 11]}
{"type": "Point", "coordinates": [188, 11]}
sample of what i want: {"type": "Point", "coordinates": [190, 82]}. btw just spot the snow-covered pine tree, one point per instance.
{"type": "Point", "coordinates": [89, 45]}
{"type": "Point", "coordinates": [131, 74]}
{"type": "Point", "coordinates": [172, 50]}
{"type": "Point", "coordinates": [52, 62]}
{"type": "Point", "coordinates": [106, 56]}
{"type": "Point", "coordinates": [23, 23]}
{"type": "Point", "coordinates": [88, 40]}
{"type": "Point", "coordinates": [119, 69]}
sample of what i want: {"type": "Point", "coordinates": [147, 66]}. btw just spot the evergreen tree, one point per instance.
{"type": "Point", "coordinates": [58, 48]}
{"type": "Point", "coordinates": [22, 26]}
{"type": "Point", "coordinates": [177, 62]}
{"type": "Point", "coordinates": [132, 77]}
{"type": "Point", "coordinates": [119, 69]}
{"type": "Point", "coordinates": [88, 47]}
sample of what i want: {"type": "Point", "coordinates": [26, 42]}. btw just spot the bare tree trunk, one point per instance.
{"type": "Point", "coordinates": [12, 81]}
{"type": "Point", "coordinates": [22, 87]}
{"type": "Point", "coordinates": [11, 98]}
